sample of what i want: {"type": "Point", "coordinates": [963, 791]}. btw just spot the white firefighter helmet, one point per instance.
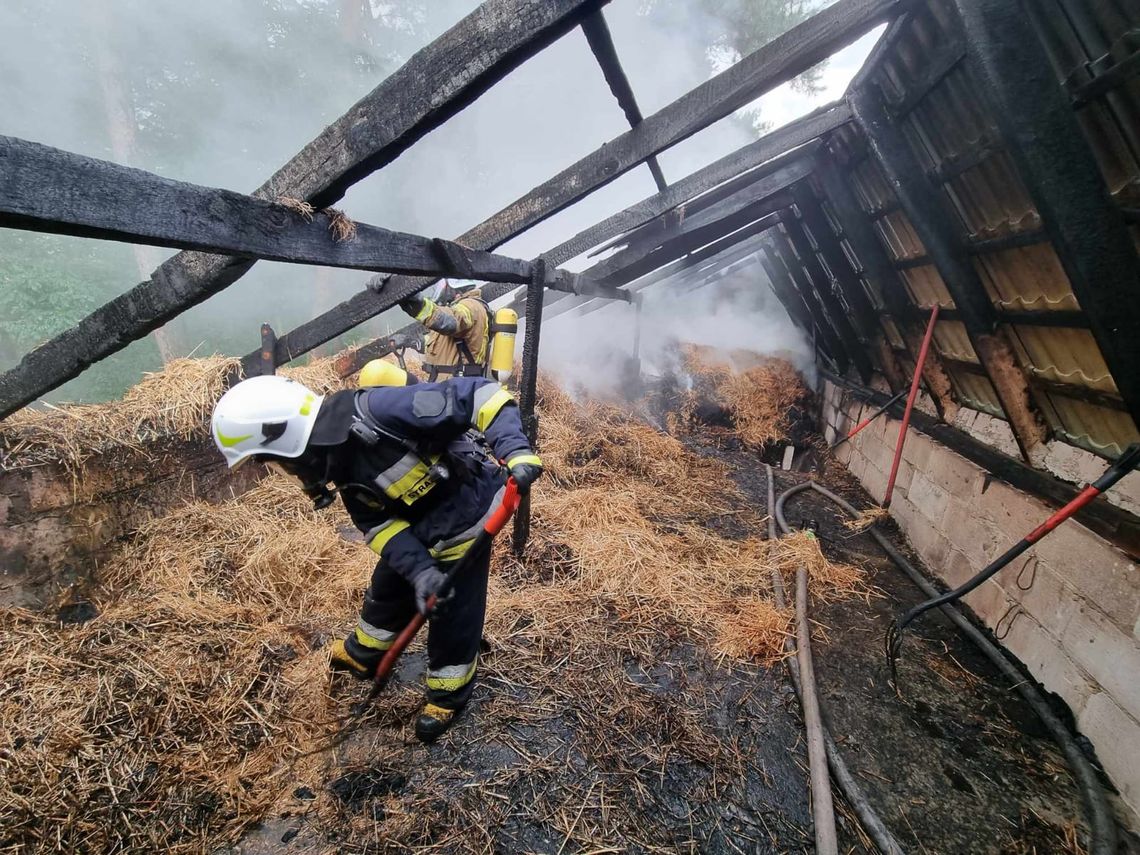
{"type": "Point", "coordinates": [264, 415]}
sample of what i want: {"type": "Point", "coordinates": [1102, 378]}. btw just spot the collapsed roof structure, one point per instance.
{"type": "Point", "coordinates": [983, 161]}
{"type": "Point", "coordinates": [983, 164]}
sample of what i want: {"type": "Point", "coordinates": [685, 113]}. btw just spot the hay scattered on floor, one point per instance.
{"type": "Point", "coordinates": [166, 722]}
{"type": "Point", "coordinates": [827, 580]}
{"type": "Point", "coordinates": [170, 721]}
{"type": "Point", "coordinates": [174, 403]}
{"type": "Point", "coordinates": [758, 392]}
{"type": "Point", "coordinates": [867, 518]}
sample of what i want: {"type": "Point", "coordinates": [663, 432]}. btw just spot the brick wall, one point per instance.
{"type": "Point", "coordinates": [1069, 609]}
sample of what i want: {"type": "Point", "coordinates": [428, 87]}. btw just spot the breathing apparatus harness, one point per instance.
{"type": "Point", "coordinates": [459, 460]}
{"type": "Point", "coordinates": [501, 327]}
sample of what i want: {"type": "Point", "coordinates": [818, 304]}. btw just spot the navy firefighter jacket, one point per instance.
{"type": "Point", "coordinates": [420, 471]}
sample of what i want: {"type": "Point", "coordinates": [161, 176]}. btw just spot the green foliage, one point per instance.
{"type": "Point", "coordinates": [726, 30]}
{"type": "Point", "coordinates": [48, 283]}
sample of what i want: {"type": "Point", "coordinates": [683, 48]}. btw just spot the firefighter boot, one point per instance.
{"type": "Point", "coordinates": [441, 708]}
{"type": "Point", "coordinates": [354, 657]}
{"type": "Point", "coordinates": [434, 721]}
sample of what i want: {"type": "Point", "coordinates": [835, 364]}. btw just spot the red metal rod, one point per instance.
{"type": "Point", "coordinates": [914, 383]}
{"type": "Point", "coordinates": [868, 420]}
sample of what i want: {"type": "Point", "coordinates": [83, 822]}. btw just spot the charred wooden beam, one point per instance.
{"type": "Point", "coordinates": [777, 62]}
{"type": "Point", "coordinates": [1087, 394]}
{"type": "Point", "coordinates": [780, 251]}
{"type": "Point", "coordinates": [926, 208]}
{"type": "Point", "coordinates": [834, 310]}
{"type": "Point", "coordinates": [602, 44]}
{"type": "Point", "coordinates": [374, 300]}
{"type": "Point", "coordinates": [763, 196]}
{"type": "Point", "coordinates": [728, 198]}
{"type": "Point", "coordinates": [1107, 80]}
{"type": "Point", "coordinates": [584, 285]}
{"type": "Point", "coordinates": [1049, 149]}
{"type": "Point", "coordinates": [48, 190]}
{"type": "Point", "coordinates": [727, 250]}
{"type": "Point", "coordinates": [440, 80]}
{"type": "Point", "coordinates": [638, 263]}
{"type": "Point", "coordinates": [945, 59]}
{"type": "Point", "coordinates": [878, 269]}
{"type": "Point", "coordinates": [1062, 318]}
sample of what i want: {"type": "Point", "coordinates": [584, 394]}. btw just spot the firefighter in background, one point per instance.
{"type": "Point", "coordinates": [416, 466]}
{"type": "Point", "coordinates": [465, 339]}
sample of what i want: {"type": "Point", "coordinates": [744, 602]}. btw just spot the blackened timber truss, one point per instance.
{"type": "Point", "coordinates": [845, 283]}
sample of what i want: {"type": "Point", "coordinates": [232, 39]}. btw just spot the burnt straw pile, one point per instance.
{"type": "Point", "coordinates": [195, 703]}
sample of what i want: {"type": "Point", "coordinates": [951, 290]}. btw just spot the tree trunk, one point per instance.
{"type": "Point", "coordinates": [122, 130]}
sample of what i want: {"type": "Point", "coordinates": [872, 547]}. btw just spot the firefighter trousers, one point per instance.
{"type": "Point", "coordinates": [454, 634]}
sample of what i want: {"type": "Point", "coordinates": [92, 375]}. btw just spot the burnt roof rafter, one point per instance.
{"type": "Point", "coordinates": [601, 42]}
{"type": "Point", "coordinates": [438, 81]}
{"type": "Point", "coordinates": [755, 160]}
{"type": "Point", "coordinates": [49, 190]}
{"type": "Point", "coordinates": [777, 62]}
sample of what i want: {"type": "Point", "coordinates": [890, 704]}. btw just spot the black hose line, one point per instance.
{"type": "Point", "coordinates": [871, 822]}
{"type": "Point", "coordinates": [1102, 825]}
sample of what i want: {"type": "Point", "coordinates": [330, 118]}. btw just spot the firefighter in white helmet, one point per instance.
{"type": "Point", "coordinates": [417, 469]}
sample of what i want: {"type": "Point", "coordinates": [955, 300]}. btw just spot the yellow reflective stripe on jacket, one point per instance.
{"type": "Point", "coordinates": [452, 553]}
{"type": "Point", "coordinates": [408, 478]}
{"type": "Point", "coordinates": [488, 401]}
{"type": "Point", "coordinates": [425, 312]}
{"type": "Point", "coordinates": [379, 536]}
{"type": "Point", "coordinates": [463, 316]}
{"type": "Point", "coordinates": [451, 677]}
{"type": "Point", "coordinates": [525, 457]}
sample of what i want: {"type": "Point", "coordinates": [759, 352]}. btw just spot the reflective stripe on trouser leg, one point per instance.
{"type": "Point", "coordinates": [454, 636]}
{"type": "Point", "coordinates": [373, 637]}
{"type": "Point", "coordinates": [451, 678]}
{"type": "Point", "coordinates": [389, 603]}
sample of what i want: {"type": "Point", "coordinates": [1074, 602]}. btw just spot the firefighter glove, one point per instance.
{"type": "Point", "coordinates": [429, 582]}
{"type": "Point", "coordinates": [525, 469]}
{"type": "Point", "coordinates": [418, 306]}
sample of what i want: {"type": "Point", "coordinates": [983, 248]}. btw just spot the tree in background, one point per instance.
{"type": "Point", "coordinates": [222, 93]}
{"type": "Point", "coordinates": [726, 30]}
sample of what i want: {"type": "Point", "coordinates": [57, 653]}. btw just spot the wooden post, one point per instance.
{"type": "Point", "coordinates": [926, 208]}
{"type": "Point", "coordinates": [877, 267]}
{"type": "Point", "coordinates": [1048, 147]}
{"type": "Point", "coordinates": [268, 348]}
{"type": "Point", "coordinates": [528, 388]}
